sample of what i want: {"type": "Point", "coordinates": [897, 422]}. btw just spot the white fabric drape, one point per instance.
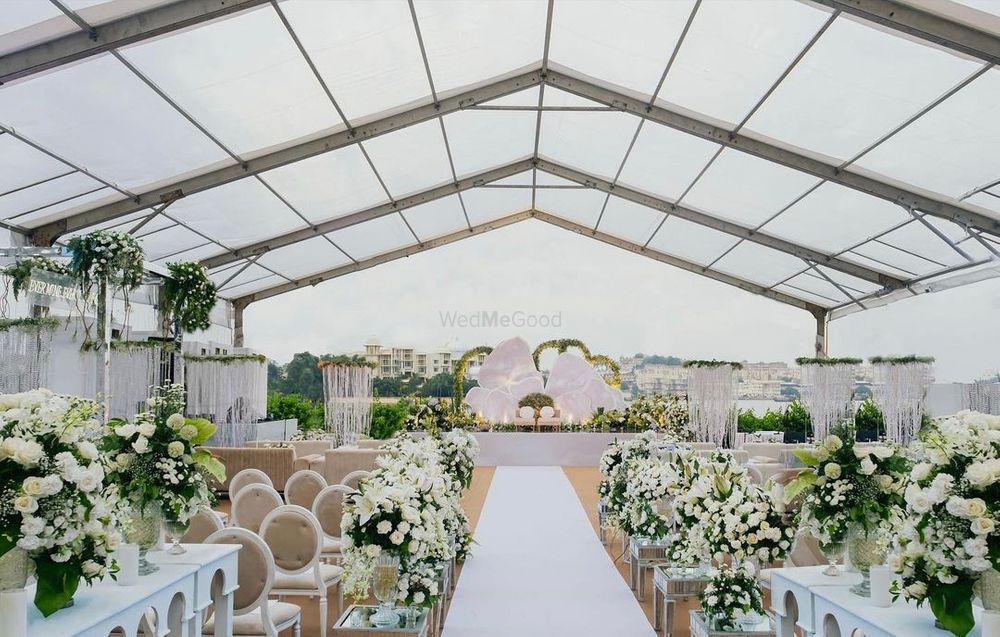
{"type": "Point", "coordinates": [827, 393]}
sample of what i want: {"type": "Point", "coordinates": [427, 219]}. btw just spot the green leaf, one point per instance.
{"type": "Point", "coordinates": [952, 606]}
{"type": "Point", "coordinates": [205, 430]}
{"type": "Point", "coordinates": [806, 457]}
{"type": "Point", "coordinates": [57, 584]}
{"type": "Point", "coordinates": [805, 480]}
{"type": "Point", "coordinates": [204, 459]}
{"type": "Point", "coordinates": [6, 544]}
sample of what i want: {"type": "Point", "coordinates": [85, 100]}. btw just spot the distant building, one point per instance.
{"type": "Point", "coordinates": [393, 361]}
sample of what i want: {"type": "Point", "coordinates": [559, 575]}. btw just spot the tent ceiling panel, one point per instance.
{"type": "Point", "coordinates": [759, 263]}
{"type": "Point", "coordinates": [24, 23]}
{"type": "Point", "coordinates": [631, 44]}
{"type": "Point", "coordinates": [953, 148]}
{"type": "Point", "coordinates": [877, 263]}
{"type": "Point", "coordinates": [99, 114]}
{"type": "Point", "coordinates": [896, 257]}
{"type": "Point", "coordinates": [817, 286]}
{"type": "Point", "coordinates": [665, 162]}
{"type": "Point", "coordinates": [436, 217]}
{"type": "Point", "coordinates": [629, 220]}
{"type": "Point", "coordinates": [304, 258]}
{"type": "Point", "coordinates": [411, 159]}
{"type": "Point", "coordinates": [236, 276]}
{"type": "Point", "coordinates": [328, 186]}
{"type": "Point", "coordinates": [61, 208]}
{"type": "Point", "coordinates": [985, 200]}
{"type": "Point", "coordinates": [467, 41]}
{"type": "Point", "coordinates": [592, 141]}
{"type": "Point", "coordinates": [484, 139]}
{"type": "Point", "coordinates": [204, 251]}
{"type": "Point", "coordinates": [582, 205]}
{"type": "Point", "coordinates": [257, 91]}
{"type": "Point", "coordinates": [735, 51]}
{"type": "Point", "coordinates": [487, 204]}
{"type": "Point", "coordinates": [264, 283]}
{"type": "Point", "coordinates": [169, 241]}
{"type": "Point", "coordinates": [366, 52]}
{"type": "Point", "coordinates": [21, 165]}
{"type": "Point", "coordinates": [746, 189]}
{"type": "Point", "coordinates": [521, 179]}
{"type": "Point", "coordinates": [804, 294]}
{"type": "Point", "coordinates": [691, 241]}
{"type": "Point", "coordinates": [833, 218]}
{"type": "Point", "coordinates": [156, 223]}
{"type": "Point", "coordinates": [236, 214]}
{"type": "Point", "coordinates": [856, 84]}
{"type": "Point", "coordinates": [850, 283]}
{"type": "Point", "coordinates": [45, 194]}
{"type": "Point", "coordinates": [917, 238]}
{"type": "Point", "coordinates": [373, 237]}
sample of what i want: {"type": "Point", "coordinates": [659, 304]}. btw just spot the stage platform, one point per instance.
{"type": "Point", "coordinates": [544, 449]}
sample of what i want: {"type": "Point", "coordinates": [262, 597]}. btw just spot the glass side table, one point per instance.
{"type": "Point", "coordinates": [645, 553]}
{"type": "Point", "coordinates": [356, 622]}
{"type": "Point", "coordinates": [672, 583]}
{"type": "Point", "coordinates": [699, 628]}
{"type": "Point", "coordinates": [602, 521]}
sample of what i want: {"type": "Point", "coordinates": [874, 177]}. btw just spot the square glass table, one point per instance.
{"type": "Point", "coordinates": [356, 622]}
{"type": "Point", "coordinates": [645, 553]}
{"type": "Point", "coordinates": [671, 583]}
{"type": "Point", "coordinates": [699, 628]}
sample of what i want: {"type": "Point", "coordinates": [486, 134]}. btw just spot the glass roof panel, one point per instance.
{"type": "Point", "coordinates": [236, 214]}
{"type": "Point", "coordinates": [168, 242]}
{"type": "Point", "coordinates": [411, 159]}
{"type": "Point", "coordinates": [487, 204]}
{"type": "Point", "coordinates": [817, 286]}
{"type": "Point", "coordinates": [204, 251]}
{"type": "Point", "coordinates": [42, 195]}
{"type": "Point", "coordinates": [833, 218]}
{"type": "Point", "coordinates": [68, 207]}
{"type": "Point", "coordinates": [851, 283]}
{"type": "Point", "coordinates": [469, 41]}
{"type": "Point", "coordinates": [917, 238]}
{"type": "Point", "coordinates": [629, 220]}
{"type": "Point", "coordinates": [760, 264]}
{"type": "Point", "coordinates": [24, 23]}
{"type": "Point", "coordinates": [582, 205]}
{"type": "Point", "coordinates": [856, 84]}
{"type": "Point", "coordinates": [436, 218]}
{"type": "Point", "coordinates": [877, 263]}
{"type": "Point", "coordinates": [99, 114]}
{"type": "Point", "coordinates": [367, 53]}
{"type": "Point", "coordinates": [691, 241]}
{"type": "Point", "coordinates": [664, 161]}
{"type": "Point", "coordinates": [373, 237]}
{"type": "Point", "coordinates": [21, 165]}
{"type": "Point", "coordinates": [253, 286]}
{"type": "Point", "coordinates": [304, 258]}
{"type": "Point", "coordinates": [746, 189]}
{"type": "Point", "coordinates": [153, 225]}
{"type": "Point", "coordinates": [258, 91]}
{"type": "Point", "coordinates": [485, 139]}
{"type": "Point", "coordinates": [329, 185]}
{"type": "Point", "coordinates": [253, 272]}
{"type": "Point", "coordinates": [629, 46]}
{"type": "Point", "coordinates": [735, 51]}
{"type": "Point", "coordinates": [886, 254]}
{"type": "Point", "coordinates": [592, 141]}
{"type": "Point", "coordinates": [805, 296]}
{"type": "Point", "coordinates": [953, 148]}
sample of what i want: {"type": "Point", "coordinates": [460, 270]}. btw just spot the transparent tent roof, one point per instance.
{"type": "Point", "coordinates": [832, 155]}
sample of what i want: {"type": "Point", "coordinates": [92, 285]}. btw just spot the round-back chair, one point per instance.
{"type": "Point", "coordinates": [302, 488]}
{"type": "Point", "coordinates": [252, 504]}
{"type": "Point", "coordinates": [203, 524]}
{"type": "Point", "coordinates": [354, 478]}
{"type": "Point", "coordinates": [244, 479]}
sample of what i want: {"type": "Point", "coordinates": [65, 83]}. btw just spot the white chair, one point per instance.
{"type": "Point", "coordinates": [296, 541]}
{"type": "Point", "coordinates": [254, 615]}
{"type": "Point", "coordinates": [252, 504]}
{"type": "Point", "coordinates": [353, 478]}
{"type": "Point", "coordinates": [328, 508]}
{"type": "Point", "coordinates": [302, 488]}
{"type": "Point", "coordinates": [244, 479]}
{"type": "Point", "coordinates": [203, 524]}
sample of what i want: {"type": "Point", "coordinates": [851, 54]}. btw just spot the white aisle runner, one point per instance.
{"type": "Point", "coordinates": [538, 568]}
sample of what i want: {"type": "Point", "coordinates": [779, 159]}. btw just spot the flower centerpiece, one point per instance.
{"type": "Point", "coordinates": [853, 496]}
{"type": "Point", "coordinates": [52, 511]}
{"type": "Point", "coordinates": [949, 545]}
{"type": "Point", "coordinates": [158, 466]}
{"type": "Point", "coordinates": [650, 484]}
{"type": "Point", "coordinates": [614, 467]}
{"type": "Point", "coordinates": [732, 599]}
{"type": "Point", "coordinates": [459, 450]}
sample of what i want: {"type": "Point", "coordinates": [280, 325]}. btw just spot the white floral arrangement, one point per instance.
{"type": "Point", "coordinates": [614, 467]}
{"type": "Point", "coordinates": [418, 585]}
{"type": "Point", "coordinates": [51, 502]}
{"type": "Point", "coordinates": [950, 535]}
{"type": "Point", "coordinates": [731, 596]}
{"type": "Point", "coordinates": [650, 483]}
{"type": "Point", "coordinates": [459, 450]}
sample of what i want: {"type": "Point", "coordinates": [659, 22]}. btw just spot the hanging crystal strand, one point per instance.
{"type": "Point", "coordinates": [827, 392]}
{"type": "Point", "coordinates": [711, 396]}
{"type": "Point", "coordinates": [901, 392]}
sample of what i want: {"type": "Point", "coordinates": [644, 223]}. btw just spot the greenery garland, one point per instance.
{"type": "Point", "coordinates": [344, 360]}
{"type": "Point", "coordinates": [106, 256]}
{"type": "Point", "coordinates": [712, 363]}
{"type": "Point", "coordinates": [460, 368]}
{"type": "Point", "coordinates": [33, 324]}
{"type": "Point", "coordinates": [563, 344]}
{"type": "Point", "coordinates": [90, 345]}
{"type": "Point", "coordinates": [806, 360]}
{"type": "Point", "coordinates": [901, 360]}
{"type": "Point", "coordinates": [20, 272]}
{"type": "Point", "coordinates": [225, 359]}
{"type": "Point", "coordinates": [607, 361]}
{"type": "Point", "coordinates": [188, 296]}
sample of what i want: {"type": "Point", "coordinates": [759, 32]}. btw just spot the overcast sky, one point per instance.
{"type": "Point", "coordinates": [617, 302]}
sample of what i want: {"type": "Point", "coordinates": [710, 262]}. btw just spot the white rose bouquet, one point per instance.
{"type": "Point", "coordinates": [950, 539]}
{"type": "Point", "coordinates": [418, 585]}
{"type": "Point", "coordinates": [51, 503]}
{"type": "Point", "coordinates": [732, 594]}
{"type": "Point", "coordinates": [613, 466]}
{"type": "Point", "coordinates": [459, 450]}
{"type": "Point", "coordinates": [650, 483]}
{"type": "Point", "coordinates": [158, 458]}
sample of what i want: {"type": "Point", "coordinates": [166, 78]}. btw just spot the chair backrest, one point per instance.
{"type": "Point", "coordinates": [255, 568]}
{"type": "Point", "coordinates": [343, 460]}
{"type": "Point", "coordinates": [302, 488]}
{"type": "Point", "coordinates": [354, 478]}
{"type": "Point", "coordinates": [252, 505]}
{"type": "Point", "coordinates": [245, 478]}
{"type": "Point", "coordinates": [203, 524]}
{"type": "Point", "coordinates": [806, 552]}
{"type": "Point", "coordinates": [755, 475]}
{"type": "Point", "coordinates": [294, 537]}
{"type": "Point", "coordinates": [329, 509]}
{"type": "Point", "coordinates": [370, 443]}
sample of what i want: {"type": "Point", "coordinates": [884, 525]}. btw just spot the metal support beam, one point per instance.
{"type": "Point", "coordinates": [288, 155]}
{"type": "Point", "coordinates": [137, 27]}
{"type": "Point", "coordinates": [722, 277]}
{"type": "Point", "coordinates": [925, 24]}
{"type": "Point", "coordinates": [721, 225]}
{"type": "Point", "coordinates": [823, 333]}
{"type": "Point", "coordinates": [364, 264]}
{"type": "Point", "coordinates": [238, 307]}
{"type": "Point", "coordinates": [374, 212]}
{"type": "Point", "coordinates": [801, 161]}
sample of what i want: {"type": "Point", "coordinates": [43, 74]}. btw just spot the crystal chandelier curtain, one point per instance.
{"type": "Point", "coordinates": [712, 403]}
{"type": "Point", "coordinates": [231, 389]}
{"type": "Point", "coordinates": [134, 370]}
{"type": "Point", "coordinates": [347, 392]}
{"type": "Point", "coordinates": [982, 396]}
{"type": "Point", "coordinates": [25, 361]}
{"type": "Point", "coordinates": [827, 393]}
{"type": "Point", "coordinates": [901, 392]}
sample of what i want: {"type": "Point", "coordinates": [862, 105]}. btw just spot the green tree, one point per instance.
{"type": "Point", "coordinates": [388, 418]}
{"type": "Point", "coordinates": [284, 406]}
{"type": "Point", "coordinates": [303, 376]}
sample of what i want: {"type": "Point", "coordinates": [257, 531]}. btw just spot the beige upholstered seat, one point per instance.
{"type": "Point", "coordinates": [203, 524]}
{"type": "Point", "coordinates": [329, 509]}
{"type": "Point", "coordinates": [296, 540]}
{"type": "Point", "coordinates": [254, 615]}
{"type": "Point", "coordinates": [341, 461]}
{"type": "Point", "coordinates": [354, 478]}
{"type": "Point", "coordinates": [370, 443]}
{"type": "Point", "coordinates": [303, 487]}
{"type": "Point", "coordinates": [245, 478]}
{"type": "Point", "coordinates": [252, 505]}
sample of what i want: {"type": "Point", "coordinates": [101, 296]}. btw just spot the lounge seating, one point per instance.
{"type": "Point", "coordinates": [343, 460]}
{"type": "Point", "coordinates": [278, 463]}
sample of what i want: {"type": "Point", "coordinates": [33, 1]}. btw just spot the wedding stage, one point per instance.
{"type": "Point", "coordinates": [538, 568]}
{"type": "Point", "coordinates": [498, 449]}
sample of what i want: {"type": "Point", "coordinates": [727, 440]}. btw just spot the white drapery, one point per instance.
{"type": "Point", "coordinates": [712, 403]}
{"type": "Point", "coordinates": [828, 392]}
{"type": "Point", "coordinates": [134, 370]}
{"type": "Point", "coordinates": [901, 392]}
{"type": "Point", "coordinates": [25, 361]}
{"type": "Point", "coordinates": [982, 396]}
{"type": "Point", "coordinates": [227, 390]}
{"type": "Point", "coordinates": [347, 394]}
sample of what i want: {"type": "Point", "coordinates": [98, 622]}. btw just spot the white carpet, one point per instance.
{"type": "Point", "coordinates": [538, 567]}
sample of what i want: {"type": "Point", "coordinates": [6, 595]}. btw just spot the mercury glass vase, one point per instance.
{"type": "Point", "coordinates": [14, 569]}
{"type": "Point", "coordinates": [142, 528]}
{"type": "Point", "coordinates": [384, 580]}
{"type": "Point", "coordinates": [865, 548]}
